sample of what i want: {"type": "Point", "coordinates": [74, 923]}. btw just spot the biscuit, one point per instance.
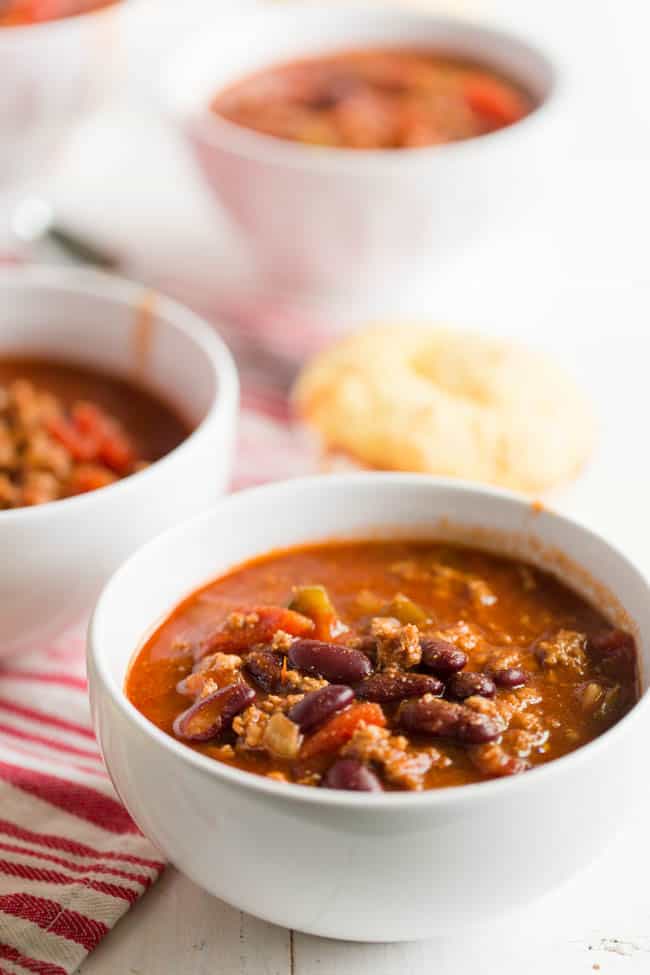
{"type": "Point", "coordinates": [446, 402]}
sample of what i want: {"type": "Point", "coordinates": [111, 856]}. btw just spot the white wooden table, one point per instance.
{"type": "Point", "coordinates": [127, 181]}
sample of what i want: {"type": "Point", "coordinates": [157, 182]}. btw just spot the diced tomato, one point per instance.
{"type": "Point", "coordinates": [341, 727]}
{"type": "Point", "coordinates": [89, 477]}
{"type": "Point", "coordinates": [269, 620]}
{"type": "Point", "coordinates": [90, 435]}
{"type": "Point", "coordinates": [499, 103]}
{"type": "Point", "coordinates": [117, 452]}
{"type": "Point", "coordinates": [114, 447]}
{"type": "Point", "coordinates": [89, 418]}
{"type": "Point", "coordinates": [82, 446]}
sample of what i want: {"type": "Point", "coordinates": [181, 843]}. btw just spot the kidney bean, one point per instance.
{"type": "Point", "coordinates": [265, 669]}
{"type": "Point", "coordinates": [510, 677]}
{"type": "Point", "coordinates": [469, 683]}
{"type": "Point", "coordinates": [441, 657]}
{"type": "Point", "coordinates": [329, 660]}
{"type": "Point", "coordinates": [354, 776]}
{"type": "Point", "coordinates": [211, 715]}
{"type": "Point", "coordinates": [614, 651]}
{"type": "Point", "coordinates": [397, 686]}
{"type": "Point", "coordinates": [445, 719]}
{"type": "Point", "coordinates": [319, 705]}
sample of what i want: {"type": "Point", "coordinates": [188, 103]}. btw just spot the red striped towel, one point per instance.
{"type": "Point", "coordinates": [71, 860]}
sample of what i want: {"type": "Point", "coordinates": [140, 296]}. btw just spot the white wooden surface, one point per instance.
{"type": "Point", "coordinates": [127, 181]}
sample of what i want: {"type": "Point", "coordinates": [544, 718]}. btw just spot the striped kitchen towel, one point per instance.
{"type": "Point", "coordinates": [72, 861]}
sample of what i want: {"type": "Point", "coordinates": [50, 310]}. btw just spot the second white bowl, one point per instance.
{"type": "Point", "coordinates": [55, 557]}
{"type": "Point", "coordinates": [321, 219]}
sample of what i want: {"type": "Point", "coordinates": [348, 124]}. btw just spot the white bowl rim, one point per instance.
{"type": "Point", "coordinates": [98, 283]}
{"type": "Point", "coordinates": [251, 782]}
{"type": "Point", "coordinates": [271, 149]}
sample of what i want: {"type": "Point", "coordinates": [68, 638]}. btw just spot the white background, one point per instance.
{"type": "Point", "coordinates": [571, 274]}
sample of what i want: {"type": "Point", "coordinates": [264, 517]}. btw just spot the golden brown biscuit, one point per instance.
{"type": "Point", "coordinates": [447, 402]}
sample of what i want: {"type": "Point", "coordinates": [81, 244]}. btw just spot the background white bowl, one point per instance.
{"type": "Point", "coordinates": [318, 219]}
{"type": "Point", "coordinates": [375, 868]}
{"type": "Point", "coordinates": [55, 557]}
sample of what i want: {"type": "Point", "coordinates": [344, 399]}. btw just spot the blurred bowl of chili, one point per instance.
{"type": "Point", "coordinates": [163, 357]}
{"type": "Point", "coordinates": [323, 219]}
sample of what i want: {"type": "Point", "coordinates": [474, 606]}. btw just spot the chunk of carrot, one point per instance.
{"type": "Point", "coordinates": [341, 727]}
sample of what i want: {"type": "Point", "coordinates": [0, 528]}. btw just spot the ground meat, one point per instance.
{"type": "Point", "coordinates": [522, 743]}
{"type": "Point", "coordinates": [250, 726]}
{"type": "Point", "coordinates": [465, 636]}
{"type": "Point", "coordinates": [261, 729]}
{"type": "Point", "coordinates": [565, 649]}
{"type": "Point", "coordinates": [448, 580]}
{"type": "Point", "coordinates": [303, 682]}
{"type": "Point", "coordinates": [515, 709]}
{"type": "Point", "coordinates": [480, 592]}
{"type": "Point", "coordinates": [410, 571]}
{"type": "Point", "coordinates": [528, 721]}
{"type": "Point", "coordinates": [275, 703]}
{"type": "Point", "coordinates": [214, 671]}
{"type": "Point", "coordinates": [492, 658]}
{"type": "Point", "coordinates": [445, 579]}
{"type": "Point", "coordinates": [281, 641]}
{"type": "Point", "coordinates": [402, 767]}
{"type": "Point", "coordinates": [492, 707]}
{"type": "Point", "coordinates": [494, 760]}
{"type": "Point", "coordinates": [396, 645]}
{"type": "Point", "coordinates": [240, 621]}
{"type": "Point", "coordinates": [48, 452]}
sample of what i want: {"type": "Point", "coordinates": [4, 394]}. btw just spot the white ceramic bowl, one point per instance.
{"type": "Point", "coordinates": [318, 219]}
{"type": "Point", "coordinates": [50, 73]}
{"type": "Point", "coordinates": [376, 868]}
{"type": "Point", "coordinates": [55, 557]}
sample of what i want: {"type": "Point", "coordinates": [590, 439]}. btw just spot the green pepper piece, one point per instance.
{"type": "Point", "coordinates": [406, 611]}
{"type": "Point", "coordinates": [315, 603]}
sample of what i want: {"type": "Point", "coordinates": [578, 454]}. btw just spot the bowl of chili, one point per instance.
{"type": "Point", "coordinates": [103, 441]}
{"type": "Point", "coordinates": [374, 684]}
{"type": "Point", "coordinates": [350, 145]}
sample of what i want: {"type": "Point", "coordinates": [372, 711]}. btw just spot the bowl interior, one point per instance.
{"type": "Point", "coordinates": [144, 590]}
{"type": "Point", "coordinates": [118, 328]}
{"type": "Point", "coordinates": [218, 57]}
